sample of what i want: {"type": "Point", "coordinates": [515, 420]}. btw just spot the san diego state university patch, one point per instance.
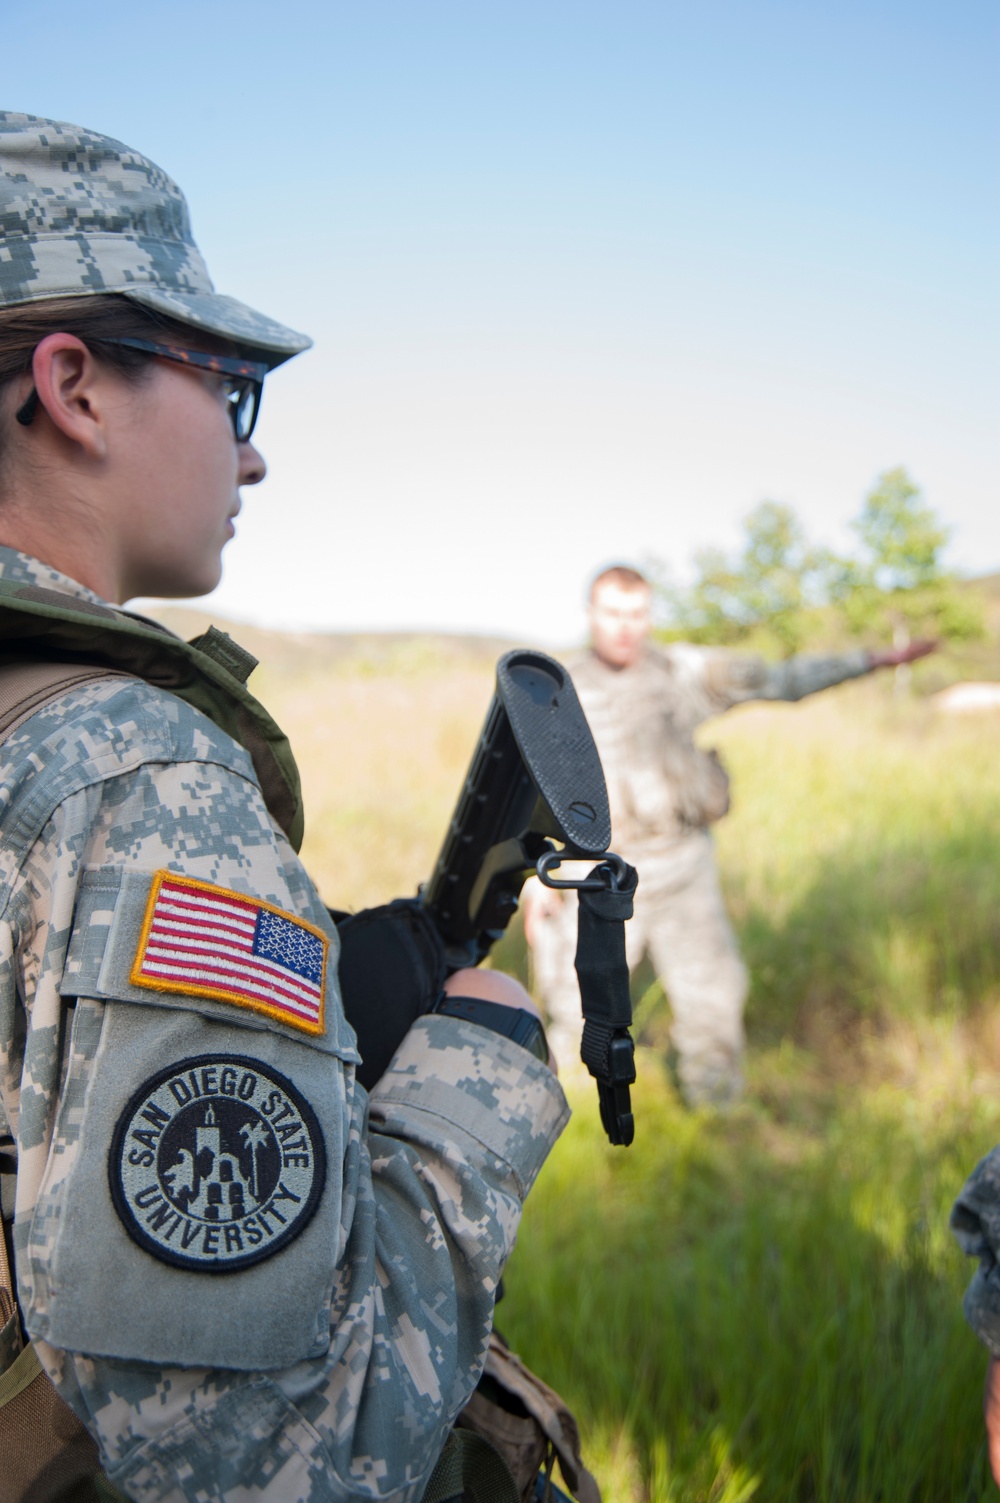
{"type": "Point", "coordinates": [216, 1163]}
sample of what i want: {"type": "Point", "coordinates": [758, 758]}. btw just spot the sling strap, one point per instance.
{"type": "Point", "coordinates": [602, 970]}
{"type": "Point", "coordinates": [605, 904]}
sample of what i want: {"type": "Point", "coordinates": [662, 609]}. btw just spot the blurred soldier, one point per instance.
{"type": "Point", "coordinates": [245, 1275]}
{"type": "Point", "coordinates": [644, 704]}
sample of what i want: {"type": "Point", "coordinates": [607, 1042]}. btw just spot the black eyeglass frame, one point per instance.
{"type": "Point", "coordinates": [246, 395]}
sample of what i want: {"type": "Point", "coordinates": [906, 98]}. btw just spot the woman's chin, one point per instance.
{"type": "Point", "coordinates": [180, 584]}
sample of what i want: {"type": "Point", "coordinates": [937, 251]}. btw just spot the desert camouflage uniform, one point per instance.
{"type": "Point", "coordinates": [332, 1368]}
{"type": "Point", "coordinates": [664, 791]}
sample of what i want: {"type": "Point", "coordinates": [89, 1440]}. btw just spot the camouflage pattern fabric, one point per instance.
{"type": "Point", "coordinates": [663, 791]}
{"type": "Point", "coordinates": [81, 213]}
{"type": "Point", "coordinates": [348, 1349]}
{"type": "Point", "coordinates": [975, 1221]}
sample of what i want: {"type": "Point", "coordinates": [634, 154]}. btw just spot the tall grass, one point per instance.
{"type": "Point", "coordinates": [766, 1304]}
{"type": "Point", "coordinates": [382, 748]}
{"type": "Point", "coordinates": [861, 859]}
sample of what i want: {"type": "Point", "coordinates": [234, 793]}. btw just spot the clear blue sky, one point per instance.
{"type": "Point", "coordinates": [587, 281]}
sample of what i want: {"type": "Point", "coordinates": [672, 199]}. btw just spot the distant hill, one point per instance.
{"type": "Point", "coordinates": [408, 652]}
{"type": "Point", "coordinates": [348, 651]}
{"type": "Point", "coordinates": [987, 584]}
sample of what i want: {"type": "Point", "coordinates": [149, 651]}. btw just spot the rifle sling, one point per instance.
{"type": "Point", "coordinates": [602, 969]}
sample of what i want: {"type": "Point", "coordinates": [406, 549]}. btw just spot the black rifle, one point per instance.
{"type": "Point", "coordinates": [535, 778]}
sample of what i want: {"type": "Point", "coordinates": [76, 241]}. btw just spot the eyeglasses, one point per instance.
{"type": "Point", "coordinates": [244, 385]}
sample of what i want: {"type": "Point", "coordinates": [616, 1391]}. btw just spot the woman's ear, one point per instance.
{"type": "Point", "coordinates": [71, 389]}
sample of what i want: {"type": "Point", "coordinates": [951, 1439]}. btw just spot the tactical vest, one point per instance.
{"type": "Point", "coordinates": [210, 673]}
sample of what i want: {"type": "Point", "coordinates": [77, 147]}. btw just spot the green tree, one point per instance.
{"type": "Point", "coordinates": [766, 591]}
{"type": "Point", "coordinates": [899, 588]}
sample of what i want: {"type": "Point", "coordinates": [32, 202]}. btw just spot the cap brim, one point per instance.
{"type": "Point", "coordinates": [225, 316]}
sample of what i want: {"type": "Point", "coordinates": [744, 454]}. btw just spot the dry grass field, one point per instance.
{"type": "Point", "coordinates": [766, 1304]}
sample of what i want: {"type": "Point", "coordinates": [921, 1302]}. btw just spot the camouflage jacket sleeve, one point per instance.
{"type": "Point", "coordinates": [716, 679]}
{"type": "Point", "coordinates": [975, 1221]}
{"type": "Point", "coordinates": [246, 1277]}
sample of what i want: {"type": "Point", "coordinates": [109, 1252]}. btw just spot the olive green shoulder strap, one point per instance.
{"type": "Point", "coordinates": [44, 627]}
{"type": "Point", "coordinates": [25, 687]}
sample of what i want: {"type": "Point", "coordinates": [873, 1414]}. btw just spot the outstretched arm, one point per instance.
{"type": "Point", "coordinates": [731, 678]}
{"type": "Point", "coordinates": [895, 657]}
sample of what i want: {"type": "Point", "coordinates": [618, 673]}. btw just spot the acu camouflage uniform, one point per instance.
{"type": "Point", "coordinates": [975, 1221]}
{"type": "Point", "coordinates": [664, 792]}
{"type": "Point", "coordinates": [81, 213]}
{"type": "Point", "coordinates": [331, 1367]}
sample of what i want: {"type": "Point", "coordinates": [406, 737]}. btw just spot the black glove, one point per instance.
{"type": "Point", "coordinates": [392, 969]}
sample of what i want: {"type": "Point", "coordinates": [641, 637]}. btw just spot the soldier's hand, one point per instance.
{"type": "Point", "coordinates": [495, 986]}
{"type": "Point", "coordinates": [491, 986]}
{"type": "Point", "coordinates": [894, 657]}
{"type": "Point", "coordinates": [991, 1414]}
{"type": "Point", "coordinates": [392, 968]}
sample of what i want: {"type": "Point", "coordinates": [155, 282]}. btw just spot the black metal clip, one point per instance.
{"type": "Point", "coordinates": [611, 872]}
{"type": "Point", "coordinates": [613, 1092]}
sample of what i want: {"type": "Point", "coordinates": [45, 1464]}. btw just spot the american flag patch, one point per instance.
{"type": "Point", "coordinates": [206, 941]}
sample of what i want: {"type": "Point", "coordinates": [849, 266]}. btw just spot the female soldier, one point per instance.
{"type": "Point", "coordinates": [245, 1276]}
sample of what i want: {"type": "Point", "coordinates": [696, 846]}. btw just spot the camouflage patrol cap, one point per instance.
{"type": "Point", "coordinates": [81, 213]}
